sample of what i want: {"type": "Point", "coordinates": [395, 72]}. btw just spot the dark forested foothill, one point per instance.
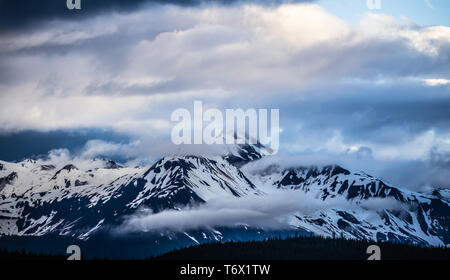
{"type": "Point", "coordinates": [305, 248]}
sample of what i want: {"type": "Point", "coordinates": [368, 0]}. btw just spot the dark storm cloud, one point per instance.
{"type": "Point", "coordinates": [29, 144]}
{"type": "Point", "coordinates": [16, 14]}
{"type": "Point", "coordinates": [382, 117]}
{"type": "Point", "coordinates": [419, 175]}
{"type": "Point", "coordinates": [343, 91]}
{"type": "Point", "coordinates": [382, 114]}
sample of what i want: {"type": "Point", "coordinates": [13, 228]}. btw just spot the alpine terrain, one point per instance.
{"type": "Point", "coordinates": [85, 203]}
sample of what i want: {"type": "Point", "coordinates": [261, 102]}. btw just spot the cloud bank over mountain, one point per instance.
{"type": "Point", "coordinates": [271, 212]}
{"type": "Point", "coordinates": [377, 90]}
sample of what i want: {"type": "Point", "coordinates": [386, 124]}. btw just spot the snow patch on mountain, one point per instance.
{"type": "Point", "coordinates": [187, 193]}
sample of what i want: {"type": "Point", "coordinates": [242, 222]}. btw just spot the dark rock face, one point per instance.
{"type": "Point", "coordinates": [47, 167]}
{"type": "Point", "coordinates": [80, 183]}
{"type": "Point", "coordinates": [339, 170]}
{"type": "Point", "coordinates": [246, 153]}
{"type": "Point", "coordinates": [68, 167]}
{"type": "Point", "coordinates": [7, 180]}
{"type": "Point", "coordinates": [291, 179]}
{"type": "Point", "coordinates": [348, 217]}
{"type": "Point", "coordinates": [112, 165]}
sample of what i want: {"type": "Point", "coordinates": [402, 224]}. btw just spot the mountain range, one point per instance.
{"type": "Point", "coordinates": [89, 202]}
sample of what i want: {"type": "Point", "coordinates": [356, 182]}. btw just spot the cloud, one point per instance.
{"type": "Point", "coordinates": [94, 148]}
{"type": "Point", "coordinates": [32, 144]}
{"type": "Point", "coordinates": [23, 13]}
{"type": "Point", "coordinates": [422, 174]}
{"type": "Point", "coordinates": [377, 85]}
{"type": "Point", "coordinates": [203, 53]}
{"type": "Point", "coordinates": [272, 211]}
{"type": "Point", "coordinates": [436, 82]}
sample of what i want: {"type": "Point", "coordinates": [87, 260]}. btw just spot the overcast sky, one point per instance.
{"type": "Point", "coordinates": [369, 89]}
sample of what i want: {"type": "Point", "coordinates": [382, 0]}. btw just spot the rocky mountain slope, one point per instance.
{"type": "Point", "coordinates": [40, 199]}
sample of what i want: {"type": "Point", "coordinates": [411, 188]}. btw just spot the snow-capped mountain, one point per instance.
{"type": "Point", "coordinates": [363, 207]}
{"type": "Point", "coordinates": [40, 199]}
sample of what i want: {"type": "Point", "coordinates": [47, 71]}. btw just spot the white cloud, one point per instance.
{"type": "Point", "coordinates": [272, 211]}
{"type": "Point", "coordinates": [250, 49]}
{"type": "Point", "coordinates": [436, 82]}
{"type": "Point", "coordinates": [127, 72]}
{"type": "Point", "coordinates": [427, 40]}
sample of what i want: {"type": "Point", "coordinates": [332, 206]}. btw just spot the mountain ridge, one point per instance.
{"type": "Point", "coordinates": [41, 199]}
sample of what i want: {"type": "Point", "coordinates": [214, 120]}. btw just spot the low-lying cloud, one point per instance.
{"type": "Point", "coordinates": [274, 210]}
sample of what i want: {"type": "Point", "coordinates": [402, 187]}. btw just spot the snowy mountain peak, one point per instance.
{"type": "Point", "coordinates": [69, 199]}
{"type": "Point", "coordinates": [206, 177]}
{"type": "Point", "coordinates": [362, 206]}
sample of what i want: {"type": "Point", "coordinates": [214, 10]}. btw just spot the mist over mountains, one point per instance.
{"type": "Point", "coordinates": [86, 153]}
{"type": "Point", "coordinates": [184, 200]}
